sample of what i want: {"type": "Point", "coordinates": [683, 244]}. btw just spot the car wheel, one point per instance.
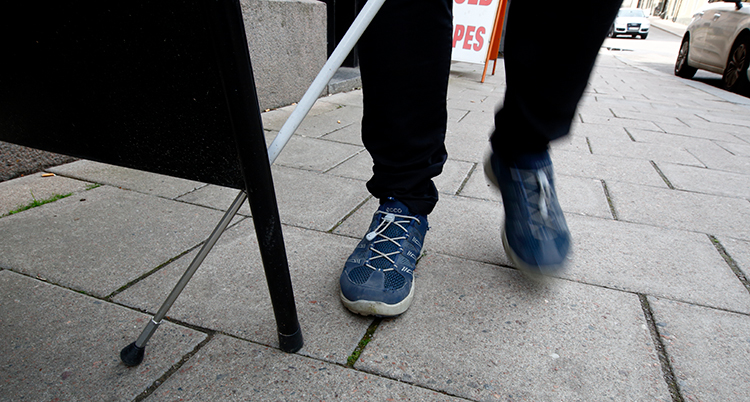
{"type": "Point", "coordinates": [681, 67]}
{"type": "Point", "coordinates": [644, 36]}
{"type": "Point", "coordinates": [611, 33]}
{"type": "Point", "coordinates": [633, 36]}
{"type": "Point", "coordinates": [735, 75]}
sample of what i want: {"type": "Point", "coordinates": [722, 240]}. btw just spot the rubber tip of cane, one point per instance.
{"type": "Point", "coordinates": [291, 343]}
{"type": "Point", "coordinates": [132, 355]}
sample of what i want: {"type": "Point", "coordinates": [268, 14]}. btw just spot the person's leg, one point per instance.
{"type": "Point", "coordinates": [546, 74]}
{"type": "Point", "coordinates": [547, 71]}
{"type": "Point", "coordinates": [405, 62]}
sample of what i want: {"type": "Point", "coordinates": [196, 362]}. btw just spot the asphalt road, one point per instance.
{"type": "Point", "coordinates": [16, 160]}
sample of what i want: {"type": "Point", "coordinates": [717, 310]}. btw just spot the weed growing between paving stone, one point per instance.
{"type": "Point", "coordinates": [363, 342]}
{"type": "Point", "coordinates": [37, 203]}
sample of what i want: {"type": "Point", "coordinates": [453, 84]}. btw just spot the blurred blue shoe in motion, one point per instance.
{"type": "Point", "coordinates": [535, 235]}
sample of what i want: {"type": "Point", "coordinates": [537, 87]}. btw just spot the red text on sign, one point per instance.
{"type": "Point", "coordinates": [471, 36]}
{"type": "Point", "coordinates": [475, 2]}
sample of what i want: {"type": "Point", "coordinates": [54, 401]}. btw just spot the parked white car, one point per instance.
{"type": "Point", "coordinates": [631, 22]}
{"type": "Point", "coordinates": [718, 40]}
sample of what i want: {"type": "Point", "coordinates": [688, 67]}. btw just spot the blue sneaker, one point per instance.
{"type": "Point", "coordinates": [378, 277]}
{"type": "Point", "coordinates": [535, 235]}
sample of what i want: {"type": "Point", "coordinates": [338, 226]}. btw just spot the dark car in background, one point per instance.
{"type": "Point", "coordinates": [718, 40]}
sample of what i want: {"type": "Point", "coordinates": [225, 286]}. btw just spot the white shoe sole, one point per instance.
{"type": "Point", "coordinates": [380, 309]}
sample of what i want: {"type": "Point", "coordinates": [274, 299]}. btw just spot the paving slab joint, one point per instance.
{"type": "Point", "coordinates": [662, 175]}
{"type": "Point", "coordinates": [355, 209]}
{"type": "Point", "coordinates": [352, 359]}
{"type": "Point", "coordinates": [610, 202]}
{"type": "Point", "coordinates": [730, 261]}
{"type": "Point", "coordinates": [666, 365]}
{"type": "Point", "coordinates": [629, 135]}
{"type": "Point", "coordinates": [466, 179]}
{"type": "Point", "coordinates": [126, 286]}
{"type": "Point", "coordinates": [343, 161]}
{"type": "Point", "coordinates": [150, 390]}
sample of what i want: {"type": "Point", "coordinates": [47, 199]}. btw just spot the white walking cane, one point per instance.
{"type": "Point", "coordinates": [324, 76]}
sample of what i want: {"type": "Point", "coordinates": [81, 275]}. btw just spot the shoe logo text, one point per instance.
{"type": "Point", "coordinates": [407, 270]}
{"type": "Point", "coordinates": [394, 210]}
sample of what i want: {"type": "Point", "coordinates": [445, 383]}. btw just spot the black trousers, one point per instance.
{"type": "Point", "coordinates": [405, 54]}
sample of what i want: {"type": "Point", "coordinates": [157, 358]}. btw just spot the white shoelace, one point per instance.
{"type": "Point", "coordinates": [388, 220]}
{"type": "Point", "coordinates": [545, 191]}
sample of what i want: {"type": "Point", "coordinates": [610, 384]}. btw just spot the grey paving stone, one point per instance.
{"type": "Point", "coordinates": [479, 118]}
{"type": "Point", "coordinates": [351, 134]}
{"type": "Point", "coordinates": [351, 98]}
{"type": "Point", "coordinates": [727, 124]}
{"type": "Point", "coordinates": [358, 167]}
{"type": "Point", "coordinates": [720, 159]}
{"type": "Point", "coordinates": [607, 168]}
{"type": "Point", "coordinates": [453, 177]}
{"type": "Point", "coordinates": [682, 210]}
{"type": "Point", "coordinates": [739, 251]}
{"type": "Point", "coordinates": [673, 264]}
{"type": "Point", "coordinates": [60, 345]}
{"type": "Point", "coordinates": [471, 100]}
{"type": "Point", "coordinates": [696, 132]}
{"type": "Point", "coordinates": [595, 109]}
{"type": "Point", "coordinates": [24, 190]}
{"type": "Point", "coordinates": [468, 229]}
{"type": "Point", "coordinates": [614, 121]}
{"type": "Point", "coordinates": [645, 116]}
{"type": "Point", "coordinates": [216, 197]}
{"type": "Point", "coordinates": [467, 142]}
{"type": "Point", "coordinates": [687, 142]}
{"type": "Point", "coordinates": [733, 118]}
{"type": "Point", "coordinates": [229, 293]}
{"type": "Point", "coordinates": [739, 149]}
{"type": "Point", "coordinates": [682, 137]}
{"type": "Point", "coordinates": [275, 119]}
{"type": "Point", "coordinates": [486, 333]}
{"type": "Point", "coordinates": [709, 350]}
{"type": "Point", "coordinates": [102, 239]}
{"type": "Point", "coordinates": [312, 153]}
{"type": "Point", "coordinates": [131, 179]}
{"type": "Point", "coordinates": [708, 181]}
{"type": "Point", "coordinates": [636, 150]}
{"type": "Point", "coordinates": [571, 143]}
{"type": "Point", "coordinates": [318, 125]}
{"type": "Point", "coordinates": [313, 200]}
{"type": "Point", "coordinates": [599, 130]}
{"type": "Point", "coordinates": [229, 369]}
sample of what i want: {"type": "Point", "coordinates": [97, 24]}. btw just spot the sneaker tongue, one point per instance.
{"type": "Point", "coordinates": [393, 231]}
{"type": "Point", "coordinates": [395, 207]}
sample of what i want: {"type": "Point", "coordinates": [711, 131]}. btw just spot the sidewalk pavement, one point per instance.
{"type": "Point", "coordinates": [655, 305]}
{"type": "Point", "coordinates": [669, 26]}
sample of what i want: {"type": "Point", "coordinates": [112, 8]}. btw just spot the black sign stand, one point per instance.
{"type": "Point", "coordinates": [165, 87]}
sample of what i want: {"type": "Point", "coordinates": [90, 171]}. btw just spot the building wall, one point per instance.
{"type": "Point", "coordinates": [287, 44]}
{"type": "Point", "coordinates": [679, 11]}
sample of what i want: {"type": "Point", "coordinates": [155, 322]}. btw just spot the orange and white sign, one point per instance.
{"type": "Point", "coordinates": [473, 23]}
